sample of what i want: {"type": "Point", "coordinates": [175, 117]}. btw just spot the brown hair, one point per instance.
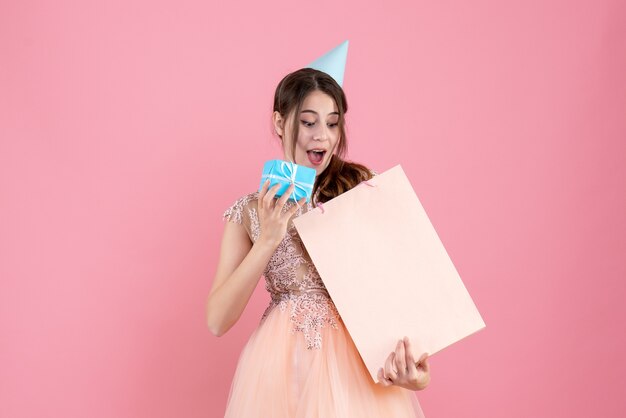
{"type": "Point", "coordinates": [340, 175]}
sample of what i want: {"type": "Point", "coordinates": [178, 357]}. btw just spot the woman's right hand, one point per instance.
{"type": "Point", "coordinates": [272, 222]}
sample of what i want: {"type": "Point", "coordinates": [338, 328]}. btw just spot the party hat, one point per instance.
{"type": "Point", "coordinates": [333, 62]}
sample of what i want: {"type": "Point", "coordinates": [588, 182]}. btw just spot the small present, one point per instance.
{"type": "Point", "coordinates": [285, 173]}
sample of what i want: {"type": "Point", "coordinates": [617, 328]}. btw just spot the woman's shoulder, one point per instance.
{"type": "Point", "coordinates": [248, 197]}
{"type": "Point", "coordinates": [235, 211]}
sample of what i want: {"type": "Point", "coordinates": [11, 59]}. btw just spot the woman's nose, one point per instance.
{"type": "Point", "coordinates": [321, 134]}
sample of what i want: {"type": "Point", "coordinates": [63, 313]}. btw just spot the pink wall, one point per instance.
{"type": "Point", "coordinates": [127, 127]}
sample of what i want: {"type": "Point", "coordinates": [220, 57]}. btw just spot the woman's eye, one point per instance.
{"type": "Point", "coordinates": [309, 124]}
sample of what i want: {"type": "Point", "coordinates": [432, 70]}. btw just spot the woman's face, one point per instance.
{"type": "Point", "coordinates": [318, 131]}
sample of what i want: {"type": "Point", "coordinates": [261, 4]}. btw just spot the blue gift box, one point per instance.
{"type": "Point", "coordinates": [285, 173]}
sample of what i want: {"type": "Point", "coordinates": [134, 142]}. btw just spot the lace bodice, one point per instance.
{"type": "Point", "coordinates": [290, 274]}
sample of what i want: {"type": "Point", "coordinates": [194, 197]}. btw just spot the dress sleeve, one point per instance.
{"type": "Point", "coordinates": [238, 211]}
{"type": "Point", "coordinates": [234, 213]}
{"type": "Point", "coordinates": [243, 212]}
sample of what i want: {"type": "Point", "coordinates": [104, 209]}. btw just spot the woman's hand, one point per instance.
{"type": "Point", "coordinates": [401, 369]}
{"type": "Point", "coordinates": [272, 222]}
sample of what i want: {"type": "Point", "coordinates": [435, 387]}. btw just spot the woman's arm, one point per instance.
{"type": "Point", "coordinates": [239, 269]}
{"type": "Point", "coordinates": [242, 263]}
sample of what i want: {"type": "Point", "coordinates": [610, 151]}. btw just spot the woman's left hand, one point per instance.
{"type": "Point", "coordinates": [402, 370]}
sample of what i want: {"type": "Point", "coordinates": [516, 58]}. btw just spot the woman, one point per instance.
{"type": "Point", "coordinates": [300, 361]}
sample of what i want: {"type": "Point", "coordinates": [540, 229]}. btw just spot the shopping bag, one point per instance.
{"type": "Point", "coordinates": [387, 271]}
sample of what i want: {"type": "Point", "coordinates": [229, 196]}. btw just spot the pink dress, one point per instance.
{"type": "Point", "coordinates": [300, 362]}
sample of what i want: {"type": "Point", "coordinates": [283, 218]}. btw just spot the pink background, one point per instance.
{"type": "Point", "coordinates": [127, 127]}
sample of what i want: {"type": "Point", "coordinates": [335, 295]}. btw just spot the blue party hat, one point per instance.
{"type": "Point", "coordinates": [333, 62]}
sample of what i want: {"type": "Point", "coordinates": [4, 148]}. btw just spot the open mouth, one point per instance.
{"type": "Point", "coordinates": [316, 156]}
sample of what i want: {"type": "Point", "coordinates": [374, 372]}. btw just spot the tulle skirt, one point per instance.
{"type": "Point", "coordinates": [277, 376]}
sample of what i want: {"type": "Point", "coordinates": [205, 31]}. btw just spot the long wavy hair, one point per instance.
{"type": "Point", "coordinates": [340, 175]}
